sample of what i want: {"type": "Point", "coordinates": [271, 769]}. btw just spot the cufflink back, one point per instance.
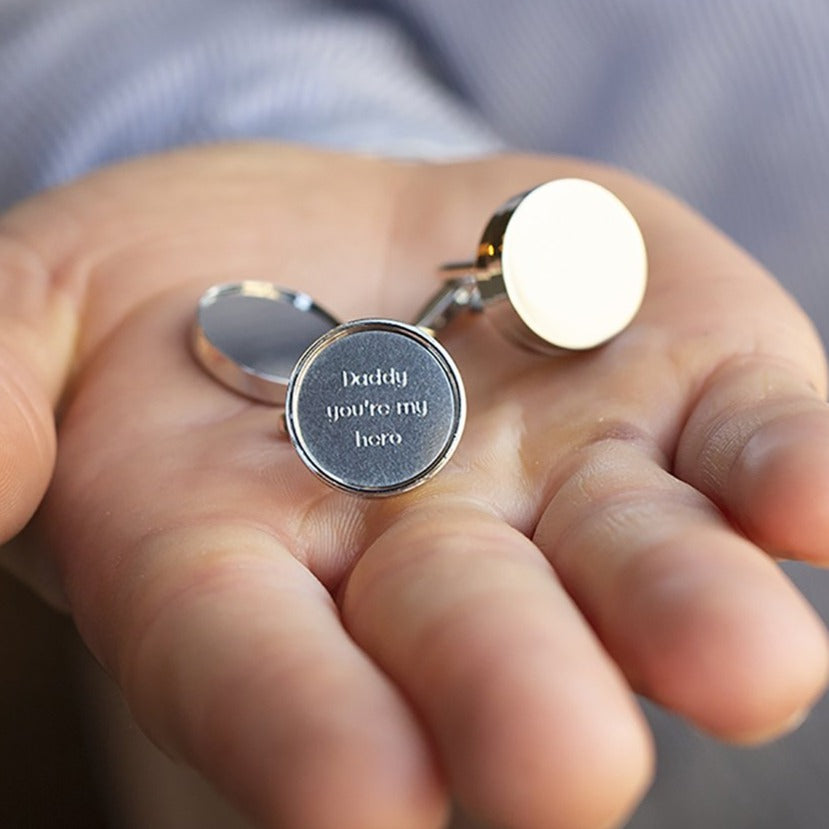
{"type": "Point", "coordinates": [249, 336]}
{"type": "Point", "coordinates": [562, 266]}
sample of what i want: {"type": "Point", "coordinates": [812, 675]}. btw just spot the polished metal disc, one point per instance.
{"type": "Point", "coordinates": [573, 262]}
{"type": "Point", "coordinates": [562, 266]}
{"type": "Point", "coordinates": [375, 407]}
{"type": "Point", "coordinates": [249, 336]}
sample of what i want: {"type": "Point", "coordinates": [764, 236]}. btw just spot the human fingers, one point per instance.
{"type": "Point", "coordinates": [232, 658]}
{"type": "Point", "coordinates": [38, 322]}
{"type": "Point", "coordinates": [719, 379]}
{"type": "Point", "coordinates": [532, 722]}
{"type": "Point", "coordinates": [176, 531]}
{"type": "Point", "coordinates": [694, 614]}
{"type": "Point", "coordinates": [74, 262]}
{"type": "Point", "coordinates": [757, 443]}
{"type": "Point", "coordinates": [754, 433]}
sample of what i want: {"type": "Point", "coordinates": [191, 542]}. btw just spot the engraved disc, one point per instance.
{"type": "Point", "coordinates": [375, 407]}
{"type": "Point", "coordinates": [249, 336]}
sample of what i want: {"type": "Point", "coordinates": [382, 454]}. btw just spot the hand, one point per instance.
{"type": "Point", "coordinates": [604, 527]}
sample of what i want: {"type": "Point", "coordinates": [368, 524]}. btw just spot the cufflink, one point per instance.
{"type": "Point", "coordinates": [562, 266]}
{"type": "Point", "coordinates": [374, 407]}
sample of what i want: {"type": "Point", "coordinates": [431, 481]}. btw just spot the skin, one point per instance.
{"type": "Point", "coordinates": [607, 526]}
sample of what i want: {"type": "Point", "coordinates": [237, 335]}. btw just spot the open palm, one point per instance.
{"type": "Point", "coordinates": [330, 661]}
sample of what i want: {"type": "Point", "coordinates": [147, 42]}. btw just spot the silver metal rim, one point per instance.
{"type": "Point", "coordinates": [376, 324]}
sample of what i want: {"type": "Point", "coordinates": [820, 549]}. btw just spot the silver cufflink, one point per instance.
{"type": "Point", "coordinates": [374, 406]}
{"type": "Point", "coordinates": [562, 266]}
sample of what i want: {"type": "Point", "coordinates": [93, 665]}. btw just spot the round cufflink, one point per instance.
{"type": "Point", "coordinates": [562, 266]}
{"type": "Point", "coordinates": [374, 407]}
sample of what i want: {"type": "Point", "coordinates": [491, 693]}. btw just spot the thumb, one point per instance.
{"type": "Point", "coordinates": [38, 323]}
